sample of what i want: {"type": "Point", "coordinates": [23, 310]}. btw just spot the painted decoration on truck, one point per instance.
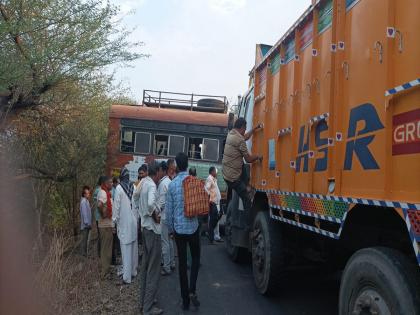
{"type": "Point", "coordinates": [414, 217]}
{"type": "Point", "coordinates": [262, 75]}
{"type": "Point", "coordinates": [271, 154]}
{"type": "Point", "coordinates": [275, 64]}
{"type": "Point", "coordinates": [329, 210]}
{"type": "Point", "coordinates": [350, 3]}
{"type": "Point", "coordinates": [306, 33]}
{"type": "Point", "coordinates": [406, 133]}
{"type": "Point", "coordinates": [290, 50]}
{"type": "Point", "coordinates": [358, 141]}
{"type": "Point", "coordinates": [325, 15]}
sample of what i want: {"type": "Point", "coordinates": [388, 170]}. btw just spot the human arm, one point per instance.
{"type": "Point", "coordinates": [169, 210]}
{"type": "Point", "coordinates": [151, 200]}
{"type": "Point", "coordinates": [116, 207]}
{"type": "Point", "coordinates": [249, 158]}
{"type": "Point", "coordinates": [135, 200]}
{"type": "Point", "coordinates": [251, 132]}
{"type": "Point", "coordinates": [102, 198]}
{"type": "Point", "coordinates": [161, 199]}
{"type": "Point", "coordinates": [208, 184]}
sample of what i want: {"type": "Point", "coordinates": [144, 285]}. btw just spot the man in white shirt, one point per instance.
{"type": "Point", "coordinates": [168, 253]}
{"type": "Point", "coordinates": [213, 190]}
{"type": "Point", "coordinates": [126, 218]}
{"type": "Point", "coordinates": [152, 247]}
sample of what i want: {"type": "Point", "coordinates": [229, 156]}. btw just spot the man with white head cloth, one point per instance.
{"type": "Point", "coordinates": [126, 219]}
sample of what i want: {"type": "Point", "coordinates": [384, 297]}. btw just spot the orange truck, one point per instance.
{"type": "Point", "coordinates": [339, 99]}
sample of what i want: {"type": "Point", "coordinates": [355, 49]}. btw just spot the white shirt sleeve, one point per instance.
{"type": "Point", "coordinates": [102, 196]}
{"type": "Point", "coordinates": [151, 199]}
{"type": "Point", "coordinates": [116, 205]}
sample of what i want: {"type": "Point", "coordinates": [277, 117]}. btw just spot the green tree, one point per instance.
{"type": "Point", "coordinates": [62, 149]}
{"type": "Point", "coordinates": [47, 44]}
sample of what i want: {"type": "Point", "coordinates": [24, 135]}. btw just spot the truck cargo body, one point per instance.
{"type": "Point", "coordinates": [339, 98]}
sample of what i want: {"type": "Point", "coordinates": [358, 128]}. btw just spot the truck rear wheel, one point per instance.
{"type": "Point", "coordinates": [235, 253]}
{"type": "Point", "coordinates": [379, 281]}
{"type": "Point", "coordinates": [267, 254]}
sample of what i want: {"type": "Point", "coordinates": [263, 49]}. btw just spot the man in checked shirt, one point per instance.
{"type": "Point", "coordinates": [186, 231]}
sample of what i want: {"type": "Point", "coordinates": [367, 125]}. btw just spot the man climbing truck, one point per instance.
{"type": "Point", "coordinates": [339, 184]}
{"type": "Point", "coordinates": [235, 152]}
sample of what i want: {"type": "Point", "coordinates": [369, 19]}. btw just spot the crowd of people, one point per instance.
{"type": "Point", "coordinates": [151, 212]}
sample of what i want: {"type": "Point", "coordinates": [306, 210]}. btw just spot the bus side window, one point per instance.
{"type": "Point", "coordinates": [203, 149]}
{"type": "Point", "coordinates": [127, 141]}
{"type": "Point", "coordinates": [176, 145]}
{"type": "Point", "coordinates": [194, 148]}
{"type": "Point", "coordinates": [161, 145]}
{"type": "Point", "coordinates": [210, 149]}
{"type": "Point", "coordinates": [143, 140]}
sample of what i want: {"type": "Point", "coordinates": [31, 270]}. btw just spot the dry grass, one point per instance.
{"type": "Point", "coordinates": [70, 283]}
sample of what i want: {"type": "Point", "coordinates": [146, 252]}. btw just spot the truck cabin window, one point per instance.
{"type": "Point", "coordinates": [203, 149]}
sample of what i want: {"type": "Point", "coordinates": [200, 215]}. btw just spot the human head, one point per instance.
{"type": "Point", "coordinates": [163, 169]}
{"type": "Point", "coordinates": [86, 192]}
{"type": "Point", "coordinates": [124, 175]}
{"type": "Point", "coordinates": [106, 182]}
{"type": "Point", "coordinates": [171, 168]}
{"type": "Point", "coordinates": [153, 171]}
{"type": "Point", "coordinates": [182, 161]}
{"type": "Point", "coordinates": [240, 125]}
{"type": "Point", "coordinates": [102, 179]}
{"type": "Point", "coordinates": [213, 171]}
{"type": "Point", "coordinates": [142, 171]}
{"type": "Point", "coordinates": [115, 181]}
{"type": "Point", "coordinates": [193, 171]}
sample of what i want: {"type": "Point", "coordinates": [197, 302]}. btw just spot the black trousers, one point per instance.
{"type": "Point", "coordinates": [239, 187]}
{"type": "Point", "coordinates": [193, 241]}
{"type": "Point", "coordinates": [116, 249]}
{"type": "Point", "coordinates": [99, 239]}
{"type": "Point", "coordinates": [213, 219]}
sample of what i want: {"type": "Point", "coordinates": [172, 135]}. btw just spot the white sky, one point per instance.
{"type": "Point", "coordinates": [202, 46]}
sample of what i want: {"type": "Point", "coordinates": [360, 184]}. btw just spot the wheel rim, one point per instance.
{"type": "Point", "coordinates": [370, 301]}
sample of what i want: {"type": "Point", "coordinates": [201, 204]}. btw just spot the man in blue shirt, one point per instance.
{"type": "Point", "coordinates": [85, 219]}
{"type": "Point", "coordinates": [186, 232]}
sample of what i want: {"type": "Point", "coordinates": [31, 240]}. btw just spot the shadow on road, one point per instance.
{"type": "Point", "coordinates": [228, 288]}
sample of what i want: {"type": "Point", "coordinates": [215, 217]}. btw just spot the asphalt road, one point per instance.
{"type": "Point", "coordinates": [226, 288]}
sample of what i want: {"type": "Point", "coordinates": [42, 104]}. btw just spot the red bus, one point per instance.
{"type": "Point", "coordinates": [165, 124]}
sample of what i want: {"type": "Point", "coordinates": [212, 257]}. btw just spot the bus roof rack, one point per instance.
{"type": "Point", "coordinates": [183, 101]}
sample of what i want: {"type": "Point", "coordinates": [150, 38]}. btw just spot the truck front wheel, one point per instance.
{"type": "Point", "coordinates": [379, 280]}
{"type": "Point", "coordinates": [267, 253]}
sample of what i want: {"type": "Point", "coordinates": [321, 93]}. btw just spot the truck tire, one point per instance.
{"type": "Point", "coordinates": [235, 253]}
{"type": "Point", "coordinates": [379, 280]}
{"type": "Point", "coordinates": [267, 254]}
